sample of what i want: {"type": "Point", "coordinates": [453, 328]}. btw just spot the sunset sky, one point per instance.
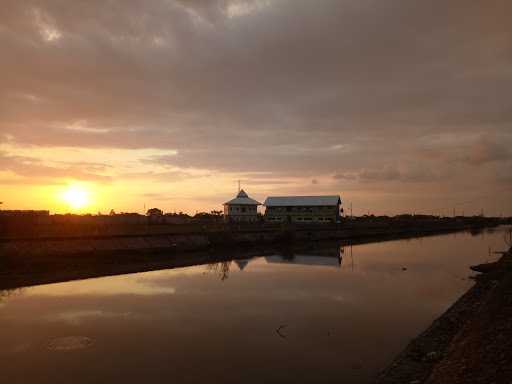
{"type": "Point", "coordinates": [397, 105]}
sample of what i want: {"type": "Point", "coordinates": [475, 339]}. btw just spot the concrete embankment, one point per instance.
{"type": "Point", "coordinates": [39, 260]}
{"type": "Point", "coordinates": [205, 240]}
{"type": "Point", "coordinates": [471, 342]}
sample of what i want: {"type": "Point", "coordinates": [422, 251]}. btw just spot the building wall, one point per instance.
{"type": "Point", "coordinates": [303, 214]}
{"type": "Point", "coordinates": [241, 212]}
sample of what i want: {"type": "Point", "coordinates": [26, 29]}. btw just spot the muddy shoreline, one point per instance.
{"type": "Point", "coordinates": [471, 342]}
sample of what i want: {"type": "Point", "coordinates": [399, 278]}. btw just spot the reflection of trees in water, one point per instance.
{"type": "Point", "coordinates": [6, 293]}
{"type": "Point", "coordinates": [221, 269]}
{"type": "Point", "coordinates": [288, 253]}
{"type": "Point", "coordinates": [349, 253]}
{"type": "Point", "coordinates": [508, 237]}
{"type": "Point", "coordinates": [476, 231]}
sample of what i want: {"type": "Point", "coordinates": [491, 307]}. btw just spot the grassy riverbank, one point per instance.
{"type": "Point", "coordinates": [471, 342]}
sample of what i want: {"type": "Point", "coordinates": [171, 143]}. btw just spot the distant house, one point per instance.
{"type": "Point", "coordinates": [241, 208]}
{"type": "Point", "coordinates": [303, 209]}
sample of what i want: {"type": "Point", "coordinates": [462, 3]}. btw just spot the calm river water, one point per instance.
{"type": "Point", "coordinates": [328, 314]}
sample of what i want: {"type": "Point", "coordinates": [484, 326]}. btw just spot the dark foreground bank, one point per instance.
{"type": "Point", "coordinates": [471, 342]}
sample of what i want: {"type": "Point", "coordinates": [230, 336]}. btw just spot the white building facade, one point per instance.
{"type": "Point", "coordinates": [241, 208]}
{"type": "Point", "coordinates": [303, 209]}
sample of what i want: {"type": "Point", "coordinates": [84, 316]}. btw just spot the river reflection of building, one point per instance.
{"type": "Point", "coordinates": [7, 293]}
{"type": "Point", "coordinates": [332, 257]}
{"type": "Point", "coordinates": [328, 257]}
{"type": "Point", "coordinates": [306, 260]}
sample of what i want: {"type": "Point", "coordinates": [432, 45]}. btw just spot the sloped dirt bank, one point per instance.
{"type": "Point", "coordinates": [470, 343]}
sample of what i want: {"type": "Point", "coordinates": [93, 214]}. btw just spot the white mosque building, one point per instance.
{"type": "Point", "coordinates": [241, 208]}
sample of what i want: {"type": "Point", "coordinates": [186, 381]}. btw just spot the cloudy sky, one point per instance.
{"type": "Point", "coordinates": [396, 105]}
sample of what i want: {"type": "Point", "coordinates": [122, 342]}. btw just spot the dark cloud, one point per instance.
{"type": "Point", "coordinates": [408, 173]}
{"type": "Point", "coordinates": [473, 150]}
{"type": "Point", "coordinates": [487, 149]}
{"type": "Point", "coordinates": [183, 74]}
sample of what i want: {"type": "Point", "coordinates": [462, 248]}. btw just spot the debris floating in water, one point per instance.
{"type": "Point", "coordinates": [278, 331]}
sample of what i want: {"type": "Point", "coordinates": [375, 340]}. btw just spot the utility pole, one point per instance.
{"type": "Point", "coordinates": [350, 209]}
{"type": "Point", "coordinates": [238, 185]}
{"type": "Point", "coordinates": [453, 212]}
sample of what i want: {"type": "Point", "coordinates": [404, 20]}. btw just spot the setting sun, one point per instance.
{"type": "Point", "coordinates": [76, 196]}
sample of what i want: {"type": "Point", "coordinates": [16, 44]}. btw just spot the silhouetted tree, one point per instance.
{"type": "Point", "coordinates": [154, 212]}
{"type": "Point", "coordinates": [209, 216]}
